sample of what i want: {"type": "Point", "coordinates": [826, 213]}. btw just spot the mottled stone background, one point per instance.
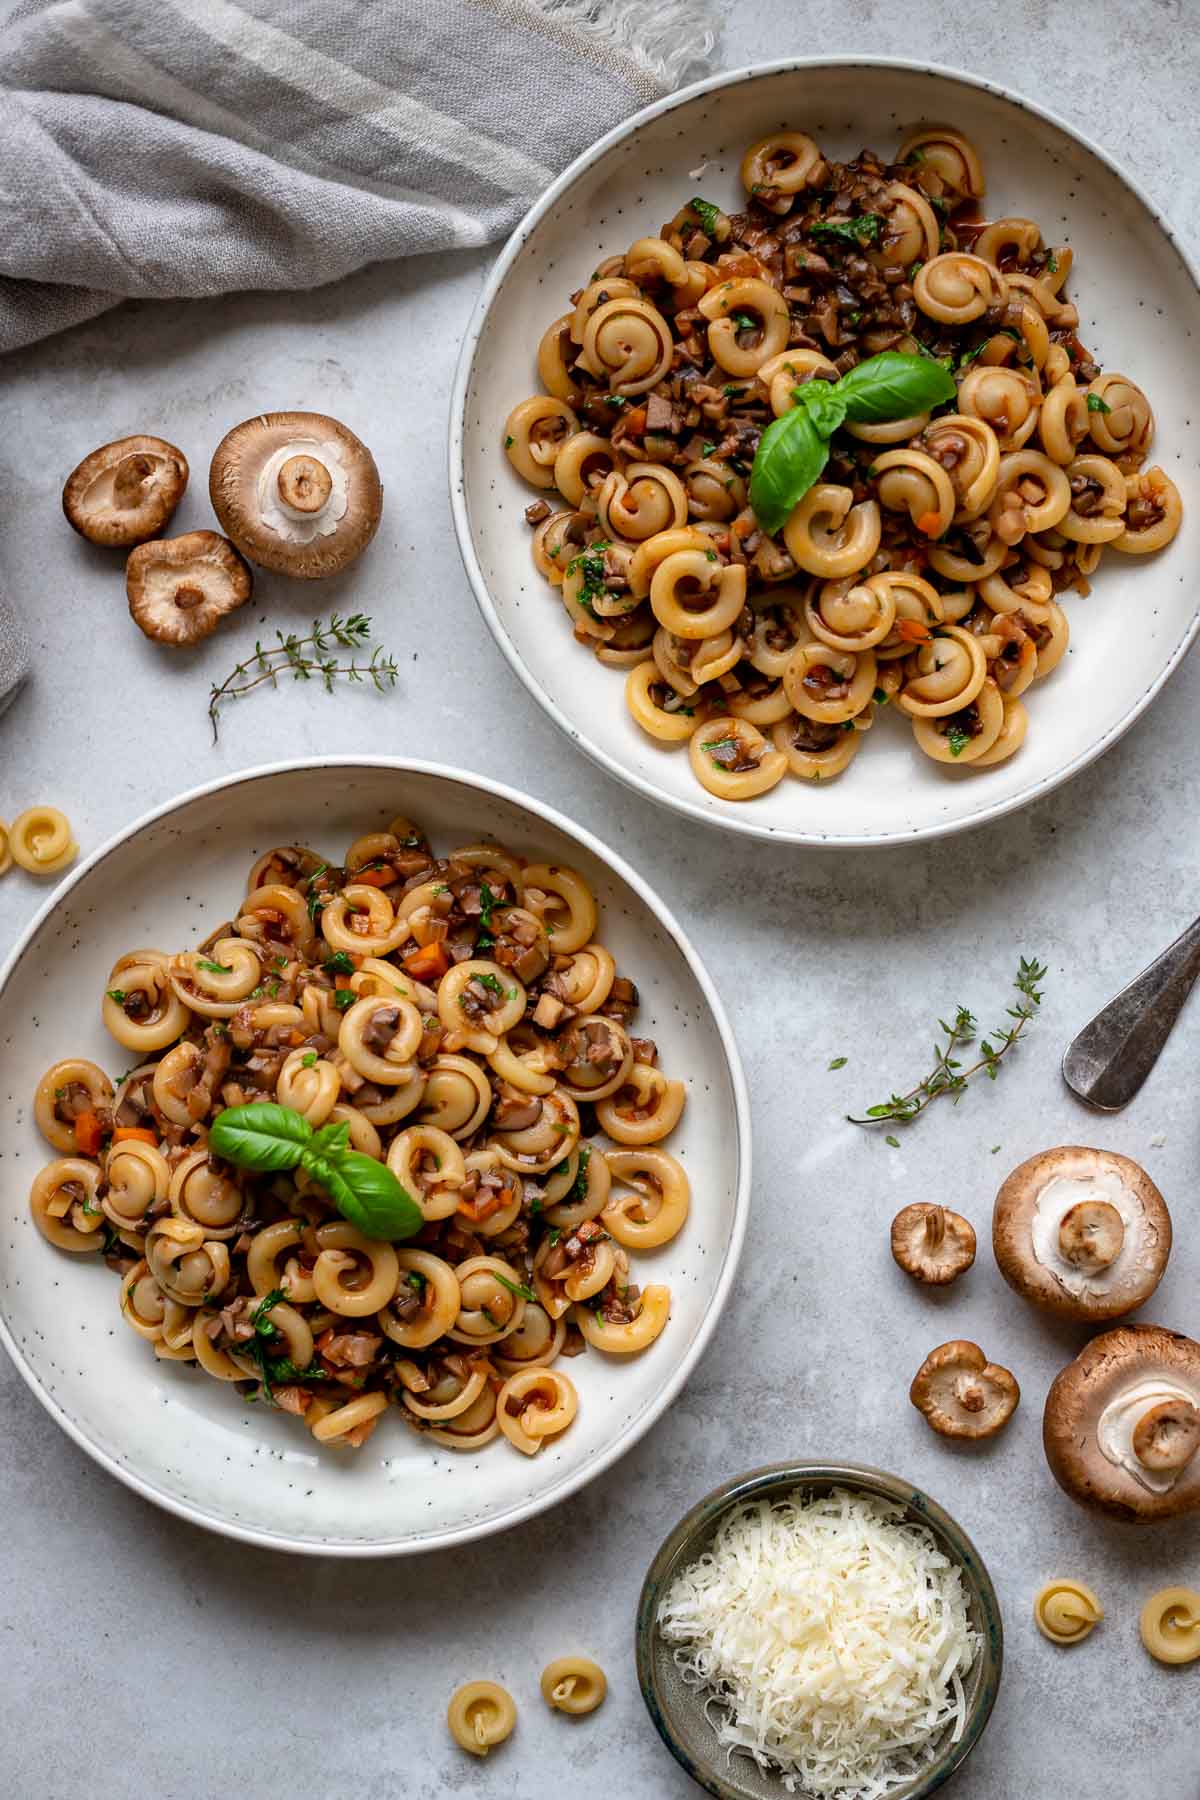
{"type": "Point", "coordinates": [143, 1657]}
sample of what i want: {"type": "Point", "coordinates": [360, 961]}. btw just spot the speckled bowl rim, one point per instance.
{"type": "Point", "coordinates": [745, 822]}
{"type": "Point", "coordinates": [696, 1527]}
{"type": "Point", "coordinates": [637, 1427]}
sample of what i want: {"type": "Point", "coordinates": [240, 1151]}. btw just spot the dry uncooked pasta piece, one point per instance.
{"type": "Point", "coordinates": [573, 1684]}
{"type": "Point", "coordinates": [40, 840]}
{"type": "Point", "coordinates": [1170, 1625]}
{"type": "Point", "coordinates": [1066, 1611]}
{"type": "Point", "coordinates": [481, 1715]}
{"type": "Point", "coordinates": [6, 855]}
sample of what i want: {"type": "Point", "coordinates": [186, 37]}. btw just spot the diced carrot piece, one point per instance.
{"type": "Point", "coordinates": [635, 420]}
{"type": "Point", "coordinates": [125, 1134]}
{"type": "Point", "coordinates": [295, 1039]}
{"type": "Point", "coordinates": [930, 524]}
{"type": "Point", "coordinates": [912, 631]}
{"type": "Point", "coordinates": [478, 1210]}
{"type": "Point", "coordinates": [88, 1133]}
{"type": "Point", "coordinates": [427, 964]}
{"type": "Point", "coordinates": [375, 877]}
{"type": "Point", "coordinates": [361, 1433]}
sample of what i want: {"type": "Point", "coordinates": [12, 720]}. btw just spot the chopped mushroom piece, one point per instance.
{"type": "Point", "coordinates": [932, 1244]}
{"type": "Point", "coordinates": [125, 492]}
{"type": "Point", "coordinates": [961, 1393]}
{"type": "Point", "coordinates": [1083, 1233]}
{"type": "Point", "coordinates": [297, 492]}
{"type": "Point", "coordinates": [1121, 1429]}
{"type": "Point", "coordinates": [181, 588]}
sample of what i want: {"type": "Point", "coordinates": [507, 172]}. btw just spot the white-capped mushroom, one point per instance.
{"type": "Point", "coordinates": [931, 1243]}
{"type": "Point", "coordinates": [297, 492]}
{"type": "Point", "coordinates": [1083, 1233]}
{"type": "Point", "coordinates": [963, 1395]}
{"type": "Point", "coordinates": [125, 492]}
{"type": "Point", "coordinates": [1121, 1428]}
{"type": "Point", "coordinates": [181, 588]}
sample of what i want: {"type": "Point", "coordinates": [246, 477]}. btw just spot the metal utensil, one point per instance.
{"type": "Point", "coordinates": [1109, 1060]}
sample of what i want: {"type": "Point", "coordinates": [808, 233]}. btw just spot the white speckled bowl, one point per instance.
{"type": "Point", "coordinates": [188, 1442]}
{"type": "Point", "coordinates": [1140, 313]}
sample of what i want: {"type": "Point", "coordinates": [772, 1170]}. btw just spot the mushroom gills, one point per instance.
{"type": "Point", "coordinates": [303, 490]}
{"type": "Point", "coordinates": [1088, 1233]}
{"type": "Point", "coordinates": [1152, 1431]}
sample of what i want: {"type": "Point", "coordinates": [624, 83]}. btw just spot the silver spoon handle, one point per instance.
{"type": "Point", "coordinates": [1112, 1056]}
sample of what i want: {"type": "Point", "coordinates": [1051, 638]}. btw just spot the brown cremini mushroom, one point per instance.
{"type": "Point", "coordinates": [1121, 1427]}
{"type": "Point", "coordinates": [1083, 1233]}
{"type": "Point", "coordinates": [125, 492]}
{"type": "Point", "coordinates": [931, 1243]}
{"type": "Point", "coordinates": [961, 1393]}
{"type": "Point", "coordinates": [297, 492]}
{"type": "Point", "coordinates": [181, 588]}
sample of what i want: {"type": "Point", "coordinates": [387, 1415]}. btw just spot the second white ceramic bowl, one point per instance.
{"type": "Point", "coordinates": [188, 1442]}
{"type": "Point", "coordinates": [1140, 313]}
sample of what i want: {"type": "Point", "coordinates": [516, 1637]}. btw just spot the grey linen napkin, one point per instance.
{"type": "Point", "coordinates": [175, 148]}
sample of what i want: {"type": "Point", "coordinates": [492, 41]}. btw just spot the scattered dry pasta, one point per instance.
{"type": "Point", "coordinates": [40, 841]}
{"type": "Point", "coordinates": [573, 1684]}
{"type": "Point", "coordinates": [1066, 1611]}
{"type": "Point", "coordinates": [460, 1016]}
{"type": "Point", "coordinates": [6, 856]}
{"type": "Point", "coordinates": [1170, 1625]}
{"type": "Point", "coordinates": [926, 569]}
{"type": "Point", "coordinates": [481, 1715]}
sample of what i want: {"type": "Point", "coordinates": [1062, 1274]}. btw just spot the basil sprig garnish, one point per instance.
{"type": "Point", "coordinates": [271, 1138]}
{"type": "Point", "coordinates": [794, 449]}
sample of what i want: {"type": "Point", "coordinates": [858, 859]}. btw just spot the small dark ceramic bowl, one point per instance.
{"type": "Point", "coordinates": [678, 1710]}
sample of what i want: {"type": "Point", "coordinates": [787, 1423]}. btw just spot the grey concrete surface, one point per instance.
{"type": "Point", "coordinates": [143, 1657]}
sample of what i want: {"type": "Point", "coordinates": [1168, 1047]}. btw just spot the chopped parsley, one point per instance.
{"type": "Point", "coordinates": [958, 739]}
{"type": "Point", "coordinates": [343, 998]}
{"type": "Point", "coordinates": [715, 744]}
{"type": "Point", "coordinates": [508, 443]}
{"type": "Point", "coordinates": [487, 905]}
{"type": "Point", "coordinates": [893, 1141]}
{"type": "Point", "coordinates": [416, 1281]}
{"type": "Point", "coordinates": [744, 321]}
{"type": "Point", "coordinates": [284, 1369]}
{"type": "Point", "coordinates": [119, 996]}
{"type": "Point", "coordinates": [1096, 404]}
{"type": "Point", "coordinates": [213, 968]}
{"type": "Point", "coordinates": [591, 563]}
{"type": "Point", "coordinates": [308, 1060]}
{"type": "Point", "coordinates": [514, 1287]}
{"type": "Point", "coordinates": [968, 356]}
{"type": "Point", "coordinates": [839, 1062]}
{"type": "Point", "coordinates": [864, 229]}
{"type": "Point", "coordinates": [707, 449]}
{"type": "Point", "coordinates": [579, 1187]}
{"type": "Point", "coordinates": [708, 215]}
{"type": "Point", "coordinates": [1052, 265]}
{"type": "Point", "coordinates": [315, 900]}
{"type": "Point", "coordinates": [731, 387]}
{"type": "Point", "coordinates": [490, 982]}
{"type": "Point", "coordinates": [880, 698]}
{"type": "Point", "coordinates": [338, 964]}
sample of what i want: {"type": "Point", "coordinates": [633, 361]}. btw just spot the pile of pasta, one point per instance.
{"type": "Point", "coordinates": [926, 567]}
{"type": "Point", "coordinates": [460, 1016]}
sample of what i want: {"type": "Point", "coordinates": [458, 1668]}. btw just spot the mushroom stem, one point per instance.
{"type": "Point", "coordinates": [1166, 1438]}
{"type": "Point", "coordinates": [935, 1227]}
{"type": "Point", "coordinates": [1090, 1235]}
{"type": "Point", "coordinates": [304, 484]}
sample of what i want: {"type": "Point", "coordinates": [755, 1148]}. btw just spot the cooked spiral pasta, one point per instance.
{"type": "Point", "coordinates": [480, 1055]}
{"type": "Point", "coordinates": [675, 358]}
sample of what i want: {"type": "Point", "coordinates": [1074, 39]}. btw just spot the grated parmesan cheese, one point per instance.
{"type": "Point", "coordinates": [831, 1635]}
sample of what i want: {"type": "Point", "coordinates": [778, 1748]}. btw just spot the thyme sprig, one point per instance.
{"type": "Point", "coordinates": [948, 1076]}
{"type": "Point", "coordinates": [313, 657]}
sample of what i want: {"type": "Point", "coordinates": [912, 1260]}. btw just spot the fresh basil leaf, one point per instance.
{"type": "Point", "coordinates": [790, 456]}
{"type": "Point", "coordinates": [893, 386]}
{"type": "Point", "coordinates": [332, 1138]}
{"type": "Point", "coordinates": [824, 403]}
{"type": "Point", "coordinates": [367, 1193]}
{"type": "Point", "coordinates": [260, 1136]}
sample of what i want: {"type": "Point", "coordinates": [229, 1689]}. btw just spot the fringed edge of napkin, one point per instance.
{"type": "Point", "coordinates": [668, 41]}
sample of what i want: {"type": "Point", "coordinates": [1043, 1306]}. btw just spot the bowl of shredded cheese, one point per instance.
{"type": "Point", "coordinates": [819, 1630]}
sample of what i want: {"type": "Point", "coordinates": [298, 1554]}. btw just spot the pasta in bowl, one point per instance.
{"type": "Point", "coordinates": [481, 1049]}
{"type": "Point", "coordinates": [925, 623]}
